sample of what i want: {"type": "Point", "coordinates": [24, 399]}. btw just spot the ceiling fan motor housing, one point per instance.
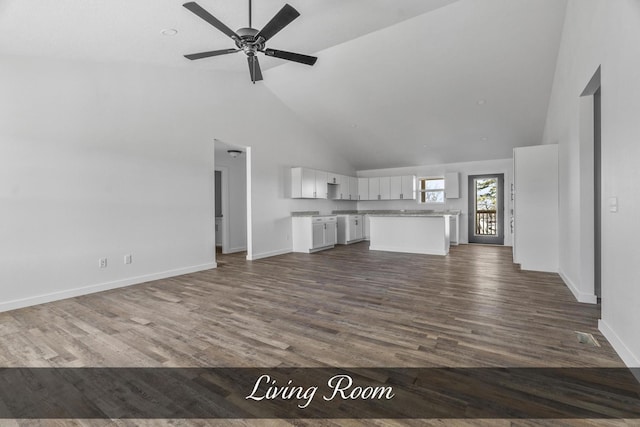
{"type": "Point", "coordinates": [248, 42]}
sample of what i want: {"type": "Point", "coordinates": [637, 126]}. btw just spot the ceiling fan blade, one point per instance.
{"type": "Point", "coordinates": [254, 68]}
{"type": "Point", "coordinates": [278, 22]}
{"type": "Point", "coordinates": [198, 10]}
{"type": "Point", "coordinates": [290, 56]}
{"type": "Point", "coordinates": [201, 55]}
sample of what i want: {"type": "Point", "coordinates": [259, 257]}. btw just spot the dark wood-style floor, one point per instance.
{"type": "Point", "coordinates": [347, 307]}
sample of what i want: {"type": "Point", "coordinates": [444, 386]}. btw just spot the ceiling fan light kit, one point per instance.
{"type": "Point", "coordinates": [250, 40]}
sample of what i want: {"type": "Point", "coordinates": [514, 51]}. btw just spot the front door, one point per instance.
{"type": "Point", "coordinates": [486, 212]}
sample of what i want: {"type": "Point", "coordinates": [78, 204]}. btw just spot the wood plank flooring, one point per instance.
{"type": "Point", "coordinates": [347, 307]}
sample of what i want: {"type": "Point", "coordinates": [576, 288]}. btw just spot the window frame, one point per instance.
{"type": "Point", "coordinates": [422, 192]}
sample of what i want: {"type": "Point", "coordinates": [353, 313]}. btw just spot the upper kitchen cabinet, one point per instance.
{"type": "Point", "coordinates": [374, 189]}
{"type": "Point", "coordinates": [343, 188]}
{"type": "Point", "coordinates": [363, 188]}
{"type": "Point", "coordinates": [385, 188]}
{"type": "Point", "coordinates": [452, 185]}
{"type": "Point", "coordinates": [379, 188]}
{"type": "Point", "coordinates": [308, 183]}
{"type": "Point", "coordinates": [322, 189]}
{"type": "Point", "coordinates": [403, 187]}
{"type": "Point", "coordinates": [408, 187]}
{"type": "Point", "coordinates": [353, 188]}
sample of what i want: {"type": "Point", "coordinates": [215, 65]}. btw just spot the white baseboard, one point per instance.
{"type": "Point", "coordinates": [580, 296]}
{"type": "Point", "coordinates": [235, 250]}
{"type": "Point", "coordinates": [629, 359]}
{"type": "Point", "coordinates": [254, 257]}
{"type": "Point", "coordinates": [70, 293]}
{"type": "Point", "coordinates": [406, 250]}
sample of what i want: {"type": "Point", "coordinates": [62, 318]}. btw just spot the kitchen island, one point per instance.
{"type": "Point", "coordinates": [410, 232]}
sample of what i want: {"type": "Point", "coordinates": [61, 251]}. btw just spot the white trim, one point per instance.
{"type": "Point", "coordinates": [579, 296]}
{"type": "Point", "coordinates": [70, 293]}
{"type": "Point", "coordinates": [224, 198]}
{"type": "Point", "coordinates": [629, 359]}
{"type": "Point", "coordinates": [253, 257]}
{"type": "Point", "coordinates": [235, 250]}
{"type": "Point", "coordinates": [249, 166]}
{"type": "Point", "coordinates": [406, 250]}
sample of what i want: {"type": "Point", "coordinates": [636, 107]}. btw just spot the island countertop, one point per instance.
{"type": "Point", "coordinates": [419, 214]}
{"type": "Point", "coordinates": [397, 212]}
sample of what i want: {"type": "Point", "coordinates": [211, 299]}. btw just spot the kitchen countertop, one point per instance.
{"type": "Point", "coordinates": [411, 213]}
{"type": "Point", "coordinates": [309, 213]}
{"type": "Point", "coordinates": [403, 212]}
{"type": "Point", "coordinates": [387, 212]}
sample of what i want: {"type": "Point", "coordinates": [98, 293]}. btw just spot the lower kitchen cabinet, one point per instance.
{"type": "Point", "coordinates": [350, 229]}
{"type": "Point", "coordinates": [314, 233]}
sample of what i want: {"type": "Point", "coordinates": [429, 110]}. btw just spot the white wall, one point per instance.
{"type": "Point", "coordinates": [102, 160]}
{"type": "Point", "coordinates": [606, 33]}
{"type": "Point", "coordinates": [535, 245]}
{"type": "Point", "coordinates": [465, 169]}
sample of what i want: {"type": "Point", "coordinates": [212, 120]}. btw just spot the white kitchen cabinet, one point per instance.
{"type": "Point", "coordinates": [308, 183]}
{"type": "Point", "coordinates": [322, 191]}
{"type": "Point", "coordinates": [303, 183]}
{"type": "Point", "coordinates": [408, 187]}
{"type": "Point", "coordinates": [452, 185]}
{"type": "Point", "coordinates": [395, 185]}
{"type": "Point", "coordinates": [363, 188]}
{"type": "Point", "coordinates": [385, 188]}
{"type": "Point", "coordinates": [380, 188]}
{"type": "Point", "coordinates": [402, 187]}
{"type": "Point", "coordinates": [333, 178]}
{"type": "Point", "coordinates": [535, 207]}
{"type": "Point", "coordinates": [350, 229]}
{"type": "Point", "coordinates": [353, 188]}
{"type": "Point", "coordinates": [343, 187]}
{"type": "Point", "coordinates": [330, 236]}
{"type": "Point", "coordinates": [317, 235]}
{"type": "Point", "coordinates": [313, 233]}
{"type": "Point", "coordinates": [374, 189]}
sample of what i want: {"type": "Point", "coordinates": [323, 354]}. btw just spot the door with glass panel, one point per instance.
{"type": "Point", "coordinates": [486, 211]}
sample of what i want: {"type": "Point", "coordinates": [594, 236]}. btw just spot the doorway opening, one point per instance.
{"type": "Point", "coordinates": [597, 194]}
{"type": "Point", "coordinates": [486, 209]}
{"type": "Point", "coordinates": [230, 198]}
{"type": "Point", "coordinates": [591, 189]}
{"type": "Point", "coordinates": [219, 214]}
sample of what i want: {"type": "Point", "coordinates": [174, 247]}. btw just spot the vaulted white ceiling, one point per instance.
{"type": "Point", "coordinates": [465, 82]}
{"type": "Point", "coordinates": [397, 82]}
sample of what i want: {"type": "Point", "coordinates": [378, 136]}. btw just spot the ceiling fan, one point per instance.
{"type": "Point", "coordinates": [251, 41]}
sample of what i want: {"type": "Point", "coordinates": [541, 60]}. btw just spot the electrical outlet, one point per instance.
{"type": "Point", "coordinates": [102, 263]}
{"type": "Point", "coordinates": [128, 259]}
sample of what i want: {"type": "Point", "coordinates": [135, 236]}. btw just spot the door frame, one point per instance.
{"type": "Point", "coordinates": [490, 240]}
{"type": "Point", "coordinates": [224, 199]}
{"type": "Point", "coordinates": [590, 149]}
